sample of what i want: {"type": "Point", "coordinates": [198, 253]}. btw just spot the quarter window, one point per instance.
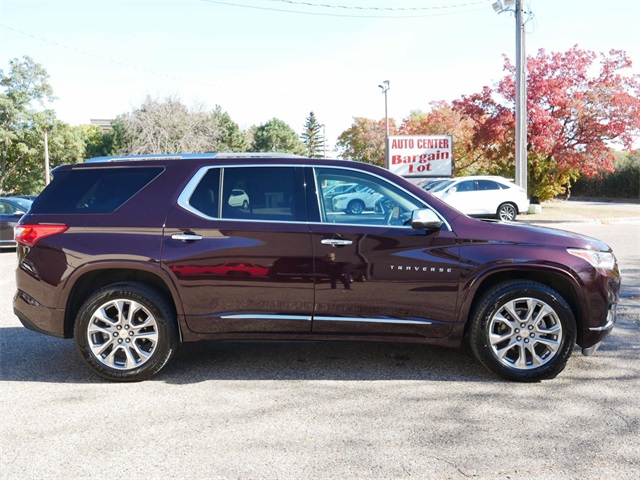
{"type": "Point", "coordinates": [205, 197]}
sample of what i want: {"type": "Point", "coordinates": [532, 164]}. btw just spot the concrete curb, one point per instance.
{"type": "Point", "coordinates": [604, 221]}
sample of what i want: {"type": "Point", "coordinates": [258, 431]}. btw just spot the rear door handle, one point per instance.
{"type": "Point", "coordinates": [186, 237]}
{"type": "Point", "coordinates": [335, 242]}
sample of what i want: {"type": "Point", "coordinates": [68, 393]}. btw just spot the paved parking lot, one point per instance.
{"type": "Point", "coordinates": [323, 410]}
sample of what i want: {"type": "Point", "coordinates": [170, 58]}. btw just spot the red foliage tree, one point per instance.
{"type": "Point", "coordinates": [579, 104]}
{"type": "Point", "coordinates": [442, 119]}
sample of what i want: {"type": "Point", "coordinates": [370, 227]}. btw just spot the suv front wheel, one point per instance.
{"type": "Point", "coordinates": [523, 331]}
{"type": "Point", "coordinates": [126, 332]}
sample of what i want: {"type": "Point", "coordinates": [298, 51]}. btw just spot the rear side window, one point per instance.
{"type": "Point", "coordinates": [468, 186]}
{"type": "Point", "coordinates": [99, 190]}
{"type": "Point", "coordinates": [259, 193]}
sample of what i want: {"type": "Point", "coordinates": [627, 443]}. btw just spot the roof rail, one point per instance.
{"type": "Point", "coordinates": [191, 156]}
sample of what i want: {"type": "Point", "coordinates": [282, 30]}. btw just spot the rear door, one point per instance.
{"type": "Point", "coordinates": [242, 266]}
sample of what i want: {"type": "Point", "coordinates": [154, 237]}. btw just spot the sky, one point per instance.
{"type": "Point", "coordinates": [260, 59]}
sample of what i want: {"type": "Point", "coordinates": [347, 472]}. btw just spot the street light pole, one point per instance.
{"type": "Point", "coordinates": [324, 141]}
{"type": "Point", "coordinates": [385, 88]}
{"type": "Point", "coordinates": [47, 176]}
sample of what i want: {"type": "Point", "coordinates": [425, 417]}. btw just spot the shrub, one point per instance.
{"type": "Point", "coordinates": [624, 182]}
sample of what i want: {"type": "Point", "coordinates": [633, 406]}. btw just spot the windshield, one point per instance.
{"type": "Point", "coordinates": [23, 202]}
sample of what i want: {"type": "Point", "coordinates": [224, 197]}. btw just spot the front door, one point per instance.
{"type": "Point", "coordinates": [375, 274]}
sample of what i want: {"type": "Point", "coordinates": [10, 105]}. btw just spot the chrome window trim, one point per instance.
{"type": "Point", "coordinates": [187, 191]}
{"type": "Point", "coordinates": [373, 320]}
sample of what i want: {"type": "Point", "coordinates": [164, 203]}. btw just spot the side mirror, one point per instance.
{"type": "Point", "coordinates": [452, 190]}
{"type": "Point", "coordinates": [425, 218]}
{"type": "Point", "coordinates": [18, 213]}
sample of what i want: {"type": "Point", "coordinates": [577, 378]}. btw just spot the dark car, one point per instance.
{"type": "Point", "coordinates": [26, 197]}
{"type": "Point", "coordinates": [11, 211]}
{"type": "Point", "coordinates": [125, 255]}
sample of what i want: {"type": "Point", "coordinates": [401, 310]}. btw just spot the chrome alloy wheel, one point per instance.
{"type": "Point", "coordinates": [525, 333]}
{"type": "Point", "coordinates": [122, 334]}
{"type": "Point", "coordinates": [507, 212]}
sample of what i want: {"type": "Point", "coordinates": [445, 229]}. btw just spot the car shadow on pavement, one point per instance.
{"type": "Point", "coordinates": [32, 357]}
{"type": "Point", "coordinates": [351, 361]}
{"type": "Point", "coordinates": [26, 356]}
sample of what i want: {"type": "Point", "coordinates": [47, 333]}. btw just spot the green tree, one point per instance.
{"type": "Point", "coordinates": [232, 138]}
{"type": "Point", "coordinates": [312, 138]}
{"type": "Point", "coordinates": [23, 120]}
{"type": "Point", "coordinates": [98, 143]}
{"type": "Point", "coordinates": [276, 136]}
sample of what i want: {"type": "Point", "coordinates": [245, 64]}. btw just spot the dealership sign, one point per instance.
{"type": "Point", "coordinates": [421, 155]}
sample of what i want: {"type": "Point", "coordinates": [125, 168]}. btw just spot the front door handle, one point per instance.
{"type": "Point", "coordinates": [335, 242]}
{"type": "Point", "coordinates": [186, 237]}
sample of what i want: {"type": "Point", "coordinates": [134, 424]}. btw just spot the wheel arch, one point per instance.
{"type": "Point", "coordinates": [556, 279]}
{"type": "Point", "coordinates": [82, 285]}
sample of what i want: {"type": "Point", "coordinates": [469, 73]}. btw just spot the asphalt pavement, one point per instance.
{"type": "Point", "coordinates": [243, 410]}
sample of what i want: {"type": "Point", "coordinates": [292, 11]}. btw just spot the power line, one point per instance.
{"type": "Point", "coordinates": [391, 9]}
{"type": "Point", "coordinates": [110, 60]}
{"type": "Point", "coordinates": [321, 14]}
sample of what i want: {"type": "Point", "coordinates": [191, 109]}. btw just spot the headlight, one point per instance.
{"type": "Point", "coordinates": [606, 260]}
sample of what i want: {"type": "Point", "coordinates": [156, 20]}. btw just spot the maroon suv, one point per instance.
{"type": "Point", "coordinates": [131, 256]}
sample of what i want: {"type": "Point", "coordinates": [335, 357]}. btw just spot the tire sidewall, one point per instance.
{"type": "Point", "coordinates": [152, 301]}
{"type": "Point", "coordinates": [493, 301]}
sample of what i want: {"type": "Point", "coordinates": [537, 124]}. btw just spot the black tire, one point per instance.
{"type": "Point", "coordinates": [355, 207]}
{"type": "Point", "coordinates": [124, 348]}
{"type": "Point", "coordinates": [245, 205]}
{"type": "Point", "coordinates": [523, 350]}
{"type": "Point", "coordinates": [507, 212]}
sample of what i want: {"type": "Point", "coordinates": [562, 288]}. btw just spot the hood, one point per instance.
{"type": "Point", "coordinates": [470, 228]}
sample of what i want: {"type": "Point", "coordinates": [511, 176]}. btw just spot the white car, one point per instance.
{"type": "Point", "coordinates": [239, 198]}
{"type": "Point", "coordinates": [356, 202]}
{"type": "Point", "coordinates": [484, 196]}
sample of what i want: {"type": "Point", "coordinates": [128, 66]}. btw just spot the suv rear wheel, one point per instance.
{"type": "Point", "coordinates": [126, 332]}
{"type": "Point", "coordinates": [523, 331]}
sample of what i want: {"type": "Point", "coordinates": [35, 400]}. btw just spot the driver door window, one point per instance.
{"type": "Point", "coordinates": [368, 200]}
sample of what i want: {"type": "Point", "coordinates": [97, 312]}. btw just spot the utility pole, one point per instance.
{"type": "Point", "coordinates": [515, 6]}
{"type": "Point", "coordinates": [521, 101]}
{"type": "Point", "coordinates": [385, 88]}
